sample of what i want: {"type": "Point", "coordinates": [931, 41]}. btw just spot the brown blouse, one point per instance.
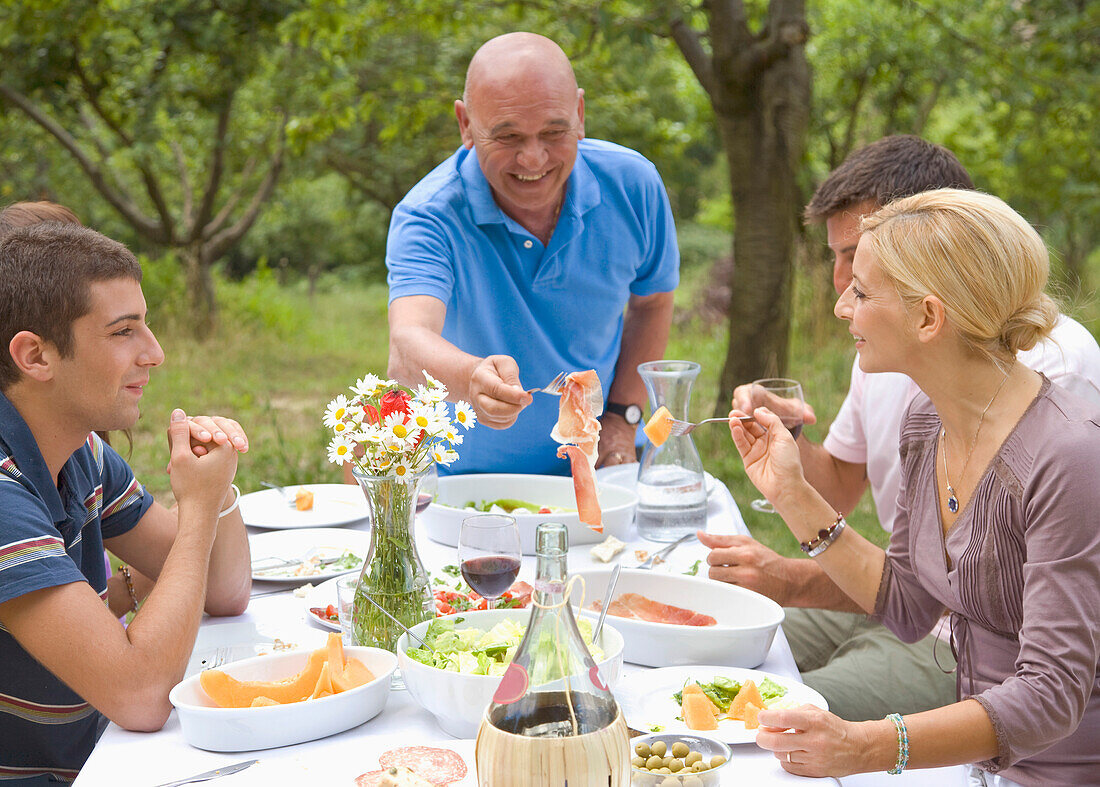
{"type": "Point", "coordinates": [1023, 584]}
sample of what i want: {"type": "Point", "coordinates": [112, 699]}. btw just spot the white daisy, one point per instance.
{"type": "Point", "coordinates": [401, 468]}
{"type": "Point", "coordinates": [336, 411]}
{"type": "Point", "coordinates": [448, 457]}
{"type": "Point", "coordinates": [394, 424]}
{"type": "Point", "coordinates": [340, 428]}
{"type": "Point", "coordinates": [340, 450]}
{"type": "Point", "coordinates": [464, 414]}
{"type": "Point", "coordinates": [367, 385]}
{"type": "Point", "coordinates": [451, 436]}
{"type": "Point", "coordinates": [423, 417]}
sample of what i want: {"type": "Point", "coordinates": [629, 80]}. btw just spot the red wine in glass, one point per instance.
{"type": "Point", "coordinates": [489, 554]}
{"type": "Point", "coordinates": [423, 500]}
{"type": "Point", "coordinates": [491, 575]}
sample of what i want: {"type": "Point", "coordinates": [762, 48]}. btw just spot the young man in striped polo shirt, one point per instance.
{"type": "Point", "coordinates": [75, 356]}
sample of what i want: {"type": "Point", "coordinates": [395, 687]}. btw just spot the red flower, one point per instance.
{"type": "Point", "coordinates": [395, 401]}
{"type": "Point", "coordinates": [371, 413]}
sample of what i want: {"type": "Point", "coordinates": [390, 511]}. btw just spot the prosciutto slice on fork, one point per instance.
{"type": "Point", "coordinates": [578, 430]}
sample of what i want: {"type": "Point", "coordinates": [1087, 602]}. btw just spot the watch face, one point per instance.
{"type": "Point", "coordinates": [633, 414]}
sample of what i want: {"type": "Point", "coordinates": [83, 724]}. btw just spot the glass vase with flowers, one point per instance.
{"type": "Point", "coordinates": [393, 436]}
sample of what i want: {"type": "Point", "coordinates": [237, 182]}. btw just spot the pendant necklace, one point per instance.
{"type": "Point", "coordinates": [952, 498]}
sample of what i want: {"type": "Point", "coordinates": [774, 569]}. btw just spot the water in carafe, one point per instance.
{"type": "Point", "coordinates": [672, 497]}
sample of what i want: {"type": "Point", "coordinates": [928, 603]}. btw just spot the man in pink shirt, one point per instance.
{"type": "Point", "coordinates": [857, 664]}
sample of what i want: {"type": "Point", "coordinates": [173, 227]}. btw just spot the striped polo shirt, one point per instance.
{"type": "Point", "coordinates": [52, 535]}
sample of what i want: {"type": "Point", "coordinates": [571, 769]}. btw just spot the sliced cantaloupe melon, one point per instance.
{"type": "Point", "coordinates": [697, 712]}
{"type": "Point", "coordinates": [324, 683]}
{"type": "Point", "coordinates": [749, 693]}
{"type": "Point", "coordinates": [263, 702]}
{"type": "Point", "coordinates": [228, 692]}
{"type": "Point", "coordinates": [334, 649]}
{"type": "Point", "coordinates": [659, 425]}
{"type": "Point", "coordinates": [749, 714]}
{"type": "Point", "coordinates": [355, 673]}
{"type": "Point", "coordinates": [695, 688]}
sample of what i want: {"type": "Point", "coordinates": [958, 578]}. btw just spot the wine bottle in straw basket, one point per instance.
{"type": "Point", "coordinates": [552, 720]}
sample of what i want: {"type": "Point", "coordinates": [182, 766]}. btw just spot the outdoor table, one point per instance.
{"type": "Point", "coordinates": [135, 758]}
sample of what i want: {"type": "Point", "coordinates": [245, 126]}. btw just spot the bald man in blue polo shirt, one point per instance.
{"type": "Point", "coordinates": [515, 259]}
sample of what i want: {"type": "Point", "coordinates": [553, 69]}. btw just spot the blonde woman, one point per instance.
{"type": "Point", "coordinates": [997, 508]}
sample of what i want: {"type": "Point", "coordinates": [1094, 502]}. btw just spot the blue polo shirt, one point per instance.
{"type": "Point", "coordinates": [52, 536]}
{"type": "Point", "coordinates": [550, 307]}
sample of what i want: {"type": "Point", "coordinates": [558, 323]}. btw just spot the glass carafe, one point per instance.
{"type": "Point", "coordinates": [672, 497]}
{"type": "Point", "coordinates": [552, 722]}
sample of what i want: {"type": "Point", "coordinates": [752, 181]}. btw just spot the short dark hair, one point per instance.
{"type": "Point", "coordinates": [27, 214]}
{"type": "Point", "coordinates": [888, 169]}
{"type": "Point", "coordinates": [45, 273]}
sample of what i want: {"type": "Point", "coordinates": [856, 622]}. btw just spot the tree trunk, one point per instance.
{"type": "Point", "coordinates": [763, 134]}
{"type": "Point", "coordinates": [203, 306]}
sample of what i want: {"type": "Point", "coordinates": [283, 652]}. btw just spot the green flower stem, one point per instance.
{"type": "Point", "coordinates": [392, 575]}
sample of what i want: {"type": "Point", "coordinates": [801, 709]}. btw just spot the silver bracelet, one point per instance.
{"type": "Point", "coordinates": [236, 501]}
{"type": "Point", "coordinates": [824, 538]}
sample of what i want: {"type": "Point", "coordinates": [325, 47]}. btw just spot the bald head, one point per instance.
{"type": "Point", "coordinates": [511, 61]}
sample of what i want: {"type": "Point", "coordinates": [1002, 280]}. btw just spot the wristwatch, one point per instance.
{"type": "Point", "coordinates": [631, 413]}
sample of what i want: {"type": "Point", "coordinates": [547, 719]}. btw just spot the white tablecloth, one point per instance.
{"type": "Point", "coordinates": [138, 759]}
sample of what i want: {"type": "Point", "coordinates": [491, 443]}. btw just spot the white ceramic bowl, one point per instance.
{"type": "Point", "coordinates": [206, 726]}
{"type": "Point", "coordinates": [458, 701]}
{"type": "Point", "coordinates": [746, 621]}
{"type": "Point", "coordinates": [707, 746]}
{"type": "Point", "coordinates": [442, 520]}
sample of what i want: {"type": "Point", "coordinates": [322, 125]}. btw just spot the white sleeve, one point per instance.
{"type": "Point", "coordinates": [1069, 357]}
{"type": "Point", "coordinates": [846, 439]}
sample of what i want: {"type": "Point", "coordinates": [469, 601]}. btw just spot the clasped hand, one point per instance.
{"type": "Point", "coordinates": [495, 391]}
{"type": "Point", "coordinates": [203, 454]}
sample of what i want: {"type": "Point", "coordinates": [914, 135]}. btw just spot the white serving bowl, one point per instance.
{"type": "Point", "coordinates": [442, 520]}
{"type": "Point", "coordinates": [206, 726]}
{"type": "Point", "coordinates": [458, 701]}
{"type": "Point", "coordinates": [746, 621]}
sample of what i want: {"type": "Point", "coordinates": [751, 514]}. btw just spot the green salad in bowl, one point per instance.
{"type": "Point", "coordinates": [474, 651]}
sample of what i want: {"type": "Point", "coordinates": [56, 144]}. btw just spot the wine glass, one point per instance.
{"type": "Point", "coordinates": [429, 486]}
{"type": "Point", "coordinates": [489, 554]}
{"type": "Point", "coordinates": [784, 398]}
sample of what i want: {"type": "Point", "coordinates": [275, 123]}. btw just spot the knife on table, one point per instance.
{"type": "Point", "coordinates": [225, 770]}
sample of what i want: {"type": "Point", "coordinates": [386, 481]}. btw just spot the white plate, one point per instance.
{"type": "Point", "coordinates": [646, 698]}
{"type": "Point", "coordinates": [442, 520]}
{"type": "Point", "coordinates": [297, 544]}
{"type": "Point", "coordinates": [333, 504]}
{"type": "Point", "coordinates": [627, 476]}
{"type": "Point", "coordinates": [321, 596]}
{"type": "Point", "coordinates": [746, 622]}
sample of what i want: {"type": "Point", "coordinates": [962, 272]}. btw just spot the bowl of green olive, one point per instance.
{"type": "Point", "coordinates": [668, 759]}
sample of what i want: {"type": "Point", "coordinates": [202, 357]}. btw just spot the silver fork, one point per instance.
{"type": "Point", "coordinates": [660, 555]}
{"type": "Point", "coordinates": [553, 387]}
{"type": "Point", "coordinates": [687, 427]}
{"type": "Point", "coordinates": [220, 655]}
{"type": "Point", "coordinates": [288, 498]}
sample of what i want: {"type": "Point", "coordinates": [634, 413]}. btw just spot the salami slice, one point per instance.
{"type": "Point", "coordinates": [439, 766]}
{"type": "Point", "coordinates": [369, 779]}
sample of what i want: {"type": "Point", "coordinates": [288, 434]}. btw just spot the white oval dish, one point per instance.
{"type": "Point", "coordinates": [458, 701]}
{"type": "Point", "coordinates": [442, 520]}
{"type": "Point", "coordinates": [206, 726]}
{"type": "Point", "coordinates": [746, 621]}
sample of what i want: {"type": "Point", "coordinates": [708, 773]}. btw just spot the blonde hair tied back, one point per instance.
{"type": "Point", "coordinates": [984, 262]}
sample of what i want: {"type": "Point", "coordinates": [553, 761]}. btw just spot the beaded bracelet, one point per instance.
{"type": "Point", "coordinates": [826, 536]}
{"type": "Point", "coordinates": [236, 501]}
{"type": "Point", "coordinates": [125, 571]}
{"type": "Point", "coordinates": [903, 743]}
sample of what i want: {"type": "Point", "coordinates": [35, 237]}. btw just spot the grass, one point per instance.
{"type": "Point", "coordinates": [281, 354]}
